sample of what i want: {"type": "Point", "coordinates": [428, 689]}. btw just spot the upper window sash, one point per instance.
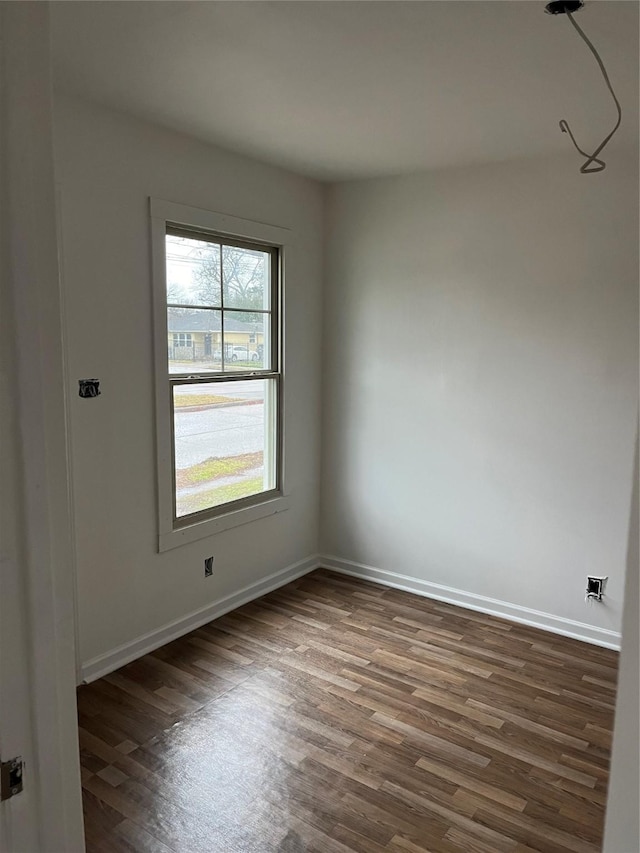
{"type": "Point", "coordinates": [230, 309]}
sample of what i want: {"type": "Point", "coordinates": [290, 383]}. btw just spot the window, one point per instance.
{"type": "Point", "coordinates": [219, 379]}
{"type": "Point", "coordinates": [181, 340]}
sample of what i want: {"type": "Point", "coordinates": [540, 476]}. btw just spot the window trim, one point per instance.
{"type": "Point", "coordinates": [174, 532]}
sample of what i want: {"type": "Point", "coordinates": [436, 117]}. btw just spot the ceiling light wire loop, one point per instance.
{"type": "Point", "coordinates": [593, 163]}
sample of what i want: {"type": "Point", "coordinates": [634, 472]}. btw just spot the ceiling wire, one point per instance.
{"type": "Point", "coordinates": [593, 163]}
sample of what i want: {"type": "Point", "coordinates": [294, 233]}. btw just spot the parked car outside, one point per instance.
{"type": "Point", "coordinates": [237, 353]}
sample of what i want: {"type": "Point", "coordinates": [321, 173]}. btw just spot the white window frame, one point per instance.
{"type": "Point", "coordinates": [172, 534]}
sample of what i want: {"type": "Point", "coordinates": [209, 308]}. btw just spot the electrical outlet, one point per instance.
{"type": "Point", "coordinates": [10, 778]}
{"type": "Point", "coordinates": [208, 567]}
{"type": "Point", "coordinates": [595, 587]}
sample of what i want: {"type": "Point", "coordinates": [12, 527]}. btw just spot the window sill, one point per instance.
{"type": "Point", "coordinates": [203, 529]}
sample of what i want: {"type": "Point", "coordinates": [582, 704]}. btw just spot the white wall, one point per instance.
{"type": "Point", "coordinates": [108, 165]}
{"type": "Point", "coordinates": [622, 829]}
{"type": "Point", "coordinates": [480, 385]}
{"type": "Point", "coordinates": [482, 374]}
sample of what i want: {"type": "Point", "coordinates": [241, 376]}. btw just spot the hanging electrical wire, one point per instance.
{"type": "Point", "coordinates": [593, 163]}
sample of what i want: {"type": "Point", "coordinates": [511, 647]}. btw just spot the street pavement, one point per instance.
{"type": "Point", "coordinates": [219, 431]}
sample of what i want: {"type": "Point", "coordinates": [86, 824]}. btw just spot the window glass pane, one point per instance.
{"type": "Point", "coordinates": [247, 342]}
{"type": "Point", "coordinates": [246, 278]}
{"type": "Point", "coordinates": [193, 271]}
{"type": "Point", "coordinates": [194, 340]}
{"type": "Point", "coordinates": [225, 442]}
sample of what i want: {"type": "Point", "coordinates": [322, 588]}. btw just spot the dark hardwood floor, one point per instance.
{"type": "Point", "coordinates": [336, 715]}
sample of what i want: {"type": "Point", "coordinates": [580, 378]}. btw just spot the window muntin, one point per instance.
{"type": "Point", "coordinates": [223, 371]}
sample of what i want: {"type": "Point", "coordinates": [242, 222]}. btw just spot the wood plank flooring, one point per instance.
{"type": "Point", "coordinates": [334, 715]}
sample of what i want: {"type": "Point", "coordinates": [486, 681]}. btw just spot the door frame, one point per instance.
{"type": "Point", "coordinates": [50, 806]}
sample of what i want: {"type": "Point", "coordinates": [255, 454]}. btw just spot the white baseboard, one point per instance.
{"type": "Point", "coordinates": [108, 662]}
{"type": "Point", "coordinates": [492, 606]}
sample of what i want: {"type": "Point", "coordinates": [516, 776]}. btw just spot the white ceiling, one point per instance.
{"type": "Point", "coordinates": [340, 90]}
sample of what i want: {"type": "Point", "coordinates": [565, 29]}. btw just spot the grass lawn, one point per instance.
{"type": "Point", "coordinates": [181, 401]}
{"type": "Point", "coordinates": [214, 468]}
{"type": "Point", "coordinates": [219, 495]}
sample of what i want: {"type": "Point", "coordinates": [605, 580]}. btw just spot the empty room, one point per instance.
{"type": "Point", "coordinates": [320, 423]}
